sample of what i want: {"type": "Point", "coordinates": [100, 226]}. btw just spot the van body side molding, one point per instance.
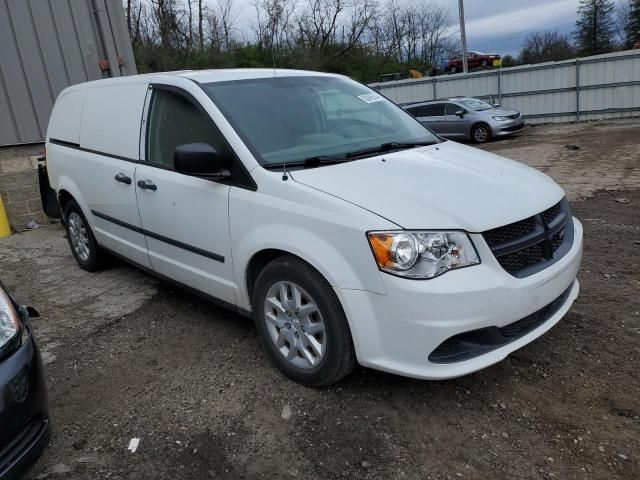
{"type": "Point", "coordinates": [76, 146]}
{"type": "Point", "coordinates": [162, 238]}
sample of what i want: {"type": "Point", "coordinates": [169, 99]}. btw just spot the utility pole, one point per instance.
{"type": "Point", "coordinates": [463, 35]}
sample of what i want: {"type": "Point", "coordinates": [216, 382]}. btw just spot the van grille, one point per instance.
{"type": "Point", "coordinates": [527, 246]}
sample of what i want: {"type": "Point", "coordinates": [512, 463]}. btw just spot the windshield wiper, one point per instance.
{"type": "Point", "coordinates": [387, 147]}
{"type": "Point", "coordinates": [310, 162]}
{"type": "Point", "coordinates": [316, 161]}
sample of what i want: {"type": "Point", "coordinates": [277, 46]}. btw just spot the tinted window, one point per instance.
{"type": "Point", "coordinates": [287, 119]}
{"type": "Point", "coordinates": [431, 110]}
{"type": "Point", "coordinates": [174, 121]}
{"type": "Point", "coordinates": [452, 108]}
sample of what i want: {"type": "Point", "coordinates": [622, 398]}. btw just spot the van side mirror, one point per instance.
{"type": "Point", "coordinates": [199, 160]}
{"type": "Point", "coordinates": [460, 113]}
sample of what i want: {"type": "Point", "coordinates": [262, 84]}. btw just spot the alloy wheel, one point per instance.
{"type": "Point", "coordinates": [295, 324]}
{"type": "Point", "coordinates": [79, 236]}
{"type": "Point", "coordinates": [481, 134]}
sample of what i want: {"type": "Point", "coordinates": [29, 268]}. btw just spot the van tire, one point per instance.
{"type": "Point", "coordinates": [94, 258]}
{"type": "Point", "coordinates": [339, 357]}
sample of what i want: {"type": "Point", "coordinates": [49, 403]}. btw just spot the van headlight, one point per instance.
{"type": "Point", "coordinates": [422, 254]}
{"type": "Point", "coordinates": [9, 321]}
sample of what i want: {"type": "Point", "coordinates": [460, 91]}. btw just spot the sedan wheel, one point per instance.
{"type": "Point", "coordinates": [295, 324]}
{"type": "Point", "coordinates": [481, 134]}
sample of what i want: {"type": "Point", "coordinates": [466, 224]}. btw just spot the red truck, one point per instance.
{"type": "Point", "coordinates": [474, 60]}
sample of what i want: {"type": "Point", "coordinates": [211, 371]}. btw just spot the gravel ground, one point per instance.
{"type": "Point", "coordinates": [128, 356]}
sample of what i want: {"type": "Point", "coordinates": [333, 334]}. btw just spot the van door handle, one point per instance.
{"type": "Point", "coordinates": [147, 185]}
{"type": "Point", "coordinates": [122, 178]}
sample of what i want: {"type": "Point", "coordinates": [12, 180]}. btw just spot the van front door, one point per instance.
{"type": "Point", "coordinates": [184, 218]}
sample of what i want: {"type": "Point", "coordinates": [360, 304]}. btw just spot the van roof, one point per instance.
{"type": "Point", "coordinates": [211, 75]}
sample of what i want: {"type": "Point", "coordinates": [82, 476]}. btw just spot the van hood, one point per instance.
{"type": "Point", "coordinates": [443, 186]}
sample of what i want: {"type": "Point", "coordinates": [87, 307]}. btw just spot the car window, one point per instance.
{"type": "Point", "coordinates": [431, 110]}
{"type": "Point", "coordinates": [174, 121]}
{"type": "Point", "coordinates": [452, 108]}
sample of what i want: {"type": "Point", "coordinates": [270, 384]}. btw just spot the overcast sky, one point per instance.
{"type": "Point", "coordinates": [493, 26]}
{"type": "Point", "coordinates": [500, 26]}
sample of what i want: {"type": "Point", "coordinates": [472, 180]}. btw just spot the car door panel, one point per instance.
{"type": "Point", "coordinates": [430, 115]}
{"type": "Point", "coordinates": [437, 124]}
{"type": "Point", "coordinates": [455, 127]}
{"type": "Point", "coordinates": [184, 218]}
{"type": "Point", "coordinates": [108, 167]}
{"type": "Point", "coordinates": [186, 226]}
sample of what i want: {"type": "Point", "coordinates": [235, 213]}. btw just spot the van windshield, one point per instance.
{"type": "Point", "coordinates": [290, 119]}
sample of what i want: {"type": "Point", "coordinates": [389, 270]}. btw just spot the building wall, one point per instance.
{"type": "Point", "coordinates": [47, 45]}
{"type": "Point", "coordinates": [590, 88]}
{"type": "Point", "coordinates": [19, 187]}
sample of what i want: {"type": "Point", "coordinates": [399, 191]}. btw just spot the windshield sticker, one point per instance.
{"type": "Point", "coordinates": [371, 97]}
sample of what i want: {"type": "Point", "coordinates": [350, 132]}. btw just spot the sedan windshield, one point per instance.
{"type": "Point", "coordinates": [475, 104]}
{"type": "Point", "coordinates": [297, 118]}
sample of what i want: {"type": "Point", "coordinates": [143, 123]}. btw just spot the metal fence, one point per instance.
{"type": "Point", "coordinates": [589, 88]}
{"type": "Point", "coordinates": [46, 45]}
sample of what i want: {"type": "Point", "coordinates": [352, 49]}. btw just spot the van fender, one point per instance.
{"type": "Point", "coordinates": [67, 184]}
{"type": "Point", "coordinates": [359, 272]}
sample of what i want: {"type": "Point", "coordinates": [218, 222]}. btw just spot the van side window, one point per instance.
{"type": "Point", "coordinates": [174, 121]}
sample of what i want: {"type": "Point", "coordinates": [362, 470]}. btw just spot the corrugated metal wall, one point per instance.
{"type": "Point", "coordinates": [602, 86]}
{"type": "Point", "coordinates": [46, 45]}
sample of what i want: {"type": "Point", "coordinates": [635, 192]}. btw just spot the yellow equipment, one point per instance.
{"type": "Point", "coordinates": [5, 229]}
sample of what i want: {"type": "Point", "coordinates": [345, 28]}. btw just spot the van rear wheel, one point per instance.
{"type": "Point", "coordinates": [301, 324]}
{"type": "Point", "coordinates": [81, 240]}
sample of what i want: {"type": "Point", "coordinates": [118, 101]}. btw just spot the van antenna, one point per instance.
{"type": "Point", "coordinates": [285, 176]}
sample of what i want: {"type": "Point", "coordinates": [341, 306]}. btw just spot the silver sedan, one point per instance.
{"type": "Point", "coordinates": [466, 118]}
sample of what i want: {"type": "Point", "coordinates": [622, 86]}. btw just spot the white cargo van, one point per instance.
{"type": "Point", "coordinates": [349, 231]}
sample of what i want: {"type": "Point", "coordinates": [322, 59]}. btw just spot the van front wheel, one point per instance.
{"type": "Point", "coordinates": [301, 324]}
{"type": "Point", "coordinates": [81, 240]}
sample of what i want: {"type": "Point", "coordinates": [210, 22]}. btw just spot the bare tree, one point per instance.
{"type": "Point", "coordinates": [546, 47]}
{"type": "Point", "coordinates": [190, 29]}
{"type": "Point", "coordinates": [200, 31]}
{"type": "Point", "coordinates": [227, 19]}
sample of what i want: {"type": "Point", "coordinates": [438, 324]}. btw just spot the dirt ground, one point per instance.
{"type": "Point", "coordinates": [129, 356]}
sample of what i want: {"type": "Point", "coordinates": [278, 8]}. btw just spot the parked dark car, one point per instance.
{"type": "Point", "coordinates": [24, 420]}
{"type": "Point", "coordinates": [474, 60]}
{"type": "Point", "coordinates": [466, 118]}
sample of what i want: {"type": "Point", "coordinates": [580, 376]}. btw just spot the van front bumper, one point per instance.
{"type": "Point", "coordinates": [462, 321]}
